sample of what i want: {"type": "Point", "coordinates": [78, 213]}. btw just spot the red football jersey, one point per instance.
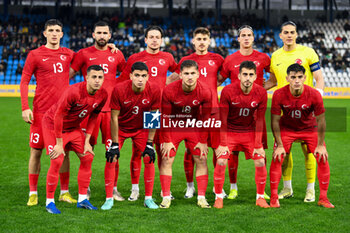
{"type": "Point", "coordinates": [239, 111]}
{"type": "Point", "coordinates": [158, 66]}
{"type": "Point", "coordinates": [75, 105]}
{"type": "Point", "coordinates": [110, 62]}
{"type": "Point", "coordinates": [298, 112]}
{"type": "Point", "coordinates": [209, 66]}
{"type": "Point", "coordinates": [132, 105]}
{"type": "Point", "coordinates": [51, 70]}
{"type": "Point", "coordinates": [180, 105]}
{"type": "Point", "coordinates": [230, 68]}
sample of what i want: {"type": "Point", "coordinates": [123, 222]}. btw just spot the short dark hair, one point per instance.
{"type": "Point", "coordinates": [244, 27]}
{"type": "Point", "coordinates": [102, 24]}
{"type": "Point", "coordinates": [52, 22]}
{"type": "Point", "coordinates": [188, 63]}
{"type": "Point", "coordinates": [288, 23]}
{"type": "Point", "coordinates": [139, 66]}
{"type": "Point", "coordinates": [94, 67]}
{"type": "Point", "coordinates": [201, 30]}
{"type": "Point", "coordinates": [248, 65]}
{"type": "Point", "coordinates": [154, 27]}
{"type": "Point", "coordinates": [295, 68]}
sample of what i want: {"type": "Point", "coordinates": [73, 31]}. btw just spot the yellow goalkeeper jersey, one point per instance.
{"type": "Point", "coordinates": [305, 56]}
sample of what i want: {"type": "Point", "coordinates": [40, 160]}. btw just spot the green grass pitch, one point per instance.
{"type": "Point", "coordinates": [240, 215]}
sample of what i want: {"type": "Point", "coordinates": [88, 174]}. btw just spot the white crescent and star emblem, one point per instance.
{"type": "Point", "coordinates": [162, 62]}
{"type": "Point", "coordinates": [111, 59]}
{"type": "Point", "coordinates": [211, 62]}
{"type": "Point", "coordinates": [304, 106]}
{"type": "Point", "coordinates": [254, 104]}
{"type": "Point", "coordinates": [63, 57]}
{"type": "Point", "coordinates": [195, 102]}
{"type": "Point", "coordinates": [145, 101]}
{"type": "Point", "coordinates": [256, 63]}
{"type": "Point", "coordinates": [95, 105]}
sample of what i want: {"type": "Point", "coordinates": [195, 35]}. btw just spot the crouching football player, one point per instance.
{"type": "Point", "coordinates": [130, 99]}
{"type": "Point", "coordinates": [303, 119]}
{"type": "Point", "coordinates": [242, 112]}
{"type": "Point", "coordinates": [62, 132]}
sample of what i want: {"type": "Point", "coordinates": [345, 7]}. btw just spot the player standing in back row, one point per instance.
{"type": "Point", "coordinates": [50, 66]}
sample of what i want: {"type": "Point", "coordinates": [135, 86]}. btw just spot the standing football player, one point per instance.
{"type": "Point", "coordinates": [50, 66]}
{"type": "Point", "coordinates": [298, 114]}
{"type": "Point", "coordinates": [291, 53]}
{"type": "Point", "coordinates": [62, 132]}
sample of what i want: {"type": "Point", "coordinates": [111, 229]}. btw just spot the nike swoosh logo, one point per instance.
{"type": "Point", "coordinates": [286, 106]}
{"type": "Point", "coordinates": [92, 58]}
{"type": "Point", "coordinates": [234, 103]}
{"type": "Point", "coordinates": [79, 105]}
{"type": "Point", "coordinates": [273, 182]}
{"type": "Point", "coordinates": [126, 102]}
{"type": "Point", "coordinates": [237, 66]}
{"type": "Point", "coordinates": [278, 64]}
{"type": "Point", "coordinates": [177, 102]}
{"type": "Point", "coordinates": [45, 59]}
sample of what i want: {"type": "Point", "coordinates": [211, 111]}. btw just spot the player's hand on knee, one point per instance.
{"type": "Point", "coordinates": [203, 147]}
{"type": "Point", "coordinates": [279, 153]}
{"type": "Point", "coordinates": [56, 151]}
{"type": "Point", "coordinates": [166, 148]}
{"type": "Point", "coordinates": [88, 148]}
{"type": "Point", "coordinates": [321, 153]}
{"type": "Point", "coordinates": [149, 150]}
{"type": "Point", "coordinates": [28, 116]}
{"type": "Point", "coordinates": [221, 150]}
{"type": "Point", "coordinates": [113, 151]}
{"type": "Point", "coordinates": [259, 152]}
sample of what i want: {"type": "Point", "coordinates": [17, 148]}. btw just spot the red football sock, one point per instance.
{"type": "Point", "coordinates": [275, 176]}
{"type": "Point", "coordinates": [52, 176]}
{"type": "Point", "coordinates": [135, 166]}
{"type": "Point", "coordinates": [232, 168]}
{"type": "Point", "coordinates": [159, 155]}
{"type": "Point", "coordinates": [202, 184]}
{"type": "Point", "coordinates": [64, 180]}
{"type": "Point", "coordinates": [148, 176]}
{"type": "Point", "coordinates": [188, 166]}
{"type": "Point", "coordinates": [116, 173]}
{"type": "Point", "coordinates": [260, 179]}
{"type": "Point", "coordinates": [219, 178]}
{"type": "Point", "coordinates": [33, 182]}
{"type": "Point", "coordinates": [323, 175]}
{"type": "Point", "coordinates": [165, 182]}
{"type": "Point", "coordinates": [84, 173]}
{"type": "Point", "coordinates": [109, 178]}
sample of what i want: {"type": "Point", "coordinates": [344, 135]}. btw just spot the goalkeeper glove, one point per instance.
{"type": "Point", "coordinates": [112, 151]}
{"type": "Point", "coordinates": [149, 150]}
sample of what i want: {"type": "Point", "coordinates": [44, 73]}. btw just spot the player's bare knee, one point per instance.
{"type": "Point", "coordinates": [35, 153]}
{"type": "Point", "coordinates": [221, 162]}
{"type": "Point", "coordinates": [259, 163]}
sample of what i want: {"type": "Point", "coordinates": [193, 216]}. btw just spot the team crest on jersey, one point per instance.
{"type": "Point", "coordinates": [63, 57]}
{"type": "Point", "coordinates": [162, 62]}
{"type": "Point", "coordinates": [95, 105]}
{"type": "Point", "coordinates": [196, 102]}
{"type": "Point", "coordinates": [304, 106]}
{"type": "Point", "coordinates": [211, 62]}
{"type": "Point", "coordinates": [256, 63]}
{"type": "Point", "coordinates": [298, 61]}
{"type": "Point", "coordinates": [145, 101]}
{"type": "Point", "coordinates": [254, 104]}
{"type": "Point", "coordinates": [111, 59]}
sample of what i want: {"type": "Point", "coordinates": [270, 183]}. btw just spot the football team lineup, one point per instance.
{"type": "Point", "coordinates": [68, 118]}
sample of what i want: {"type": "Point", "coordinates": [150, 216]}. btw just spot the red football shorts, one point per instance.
{"type": "Point", "coordinates": [308, 138]}
{"type": "Point", "coordinates": [242, 142]}
{"type": "Point", "coordinates": [36, 137]}
{"type": "Point", "coordinates": [191, 138]}
{"type": "Point", "coordinates": [139, 138]}
{"type": "Point", "coordinates": [72, 140]}
{"type": "Point", "coordinates": [104, 123]}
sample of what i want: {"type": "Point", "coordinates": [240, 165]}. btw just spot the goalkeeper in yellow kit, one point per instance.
{"type": "Point", "coordinates": [290, 53]}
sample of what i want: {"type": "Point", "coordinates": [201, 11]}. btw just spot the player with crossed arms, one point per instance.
{"type": "Point", "coordinates": [62, 132]}
{"type": "Point", "coordinates": [130, 99]}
